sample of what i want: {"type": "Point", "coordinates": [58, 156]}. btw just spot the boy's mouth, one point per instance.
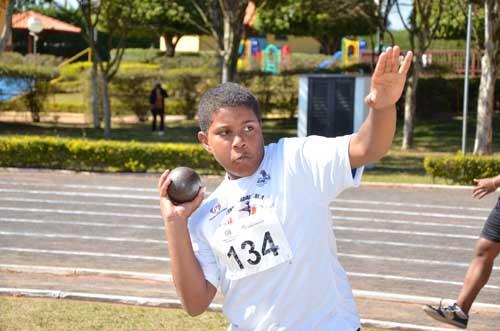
{"type": "Point", "coordinates": [242, 157]}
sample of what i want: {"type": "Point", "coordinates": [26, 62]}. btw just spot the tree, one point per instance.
{"type": "Point", "coordinates": [91, 12]}
{"type": "Point", "coordinates": [454, 21]}
{"type": "Point", "coordinates": [484, 125]}
{"type": "Point", "coordinates": [325, 20]}
{"type": "Point", "coordinates": [424, 22]}
{"type": "Point", "coordinates": [6, 10]}
{"type": "Point", "coordinates": [115, 18]}
{"type": "Point", "coordinates": [381, 16]}
{"type": "Point", "coordinates": [223, 19]}
{"type": "Point", "coordinates": [168, 19]}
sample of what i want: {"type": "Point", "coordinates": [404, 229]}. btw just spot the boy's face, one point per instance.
{"type": "Point", "coordinates": [235, 139]}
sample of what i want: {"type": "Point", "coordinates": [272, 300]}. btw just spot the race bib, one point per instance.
{"type": "Point", "coordinates": [251, 244]}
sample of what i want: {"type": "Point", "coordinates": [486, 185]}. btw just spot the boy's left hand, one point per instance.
{"type": "Point", "coordinates": [388, 79]}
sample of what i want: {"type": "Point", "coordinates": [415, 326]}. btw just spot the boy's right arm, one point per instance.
{"type": "Point", "coordinates": [195, 292]}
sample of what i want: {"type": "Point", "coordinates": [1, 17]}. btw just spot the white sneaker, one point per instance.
{"type": "Point", "coordinates": [451, 314]}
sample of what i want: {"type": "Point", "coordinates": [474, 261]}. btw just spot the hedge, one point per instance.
{"type": "Point", "coordinates": [103, 155]}
{"type": "Point", "coordinates": [462, 169]}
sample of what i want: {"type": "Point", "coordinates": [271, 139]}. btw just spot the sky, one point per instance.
{"type": "Point", "coordinates": [394, 19]}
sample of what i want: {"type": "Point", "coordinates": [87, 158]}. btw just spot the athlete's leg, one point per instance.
{"type": "Point", "coordinates": [478, 273]}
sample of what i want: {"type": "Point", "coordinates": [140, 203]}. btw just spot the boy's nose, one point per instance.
{"type": "Point", "coordinates": [238, 141]}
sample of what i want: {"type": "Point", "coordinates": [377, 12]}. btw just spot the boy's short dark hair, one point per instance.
{"type": "Point", "coordinates": [225, 95]}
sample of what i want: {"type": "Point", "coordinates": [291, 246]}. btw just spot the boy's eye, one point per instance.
{"type": "Point", "coordinates": [248, 128]}
{"type": "Point", "coordinates": [223, 133]}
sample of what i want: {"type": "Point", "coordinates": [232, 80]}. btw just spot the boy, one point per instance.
{"type": "Point", "coordinates": [487, 249]}
{"type": "Point", "coordinates": [264, 236]}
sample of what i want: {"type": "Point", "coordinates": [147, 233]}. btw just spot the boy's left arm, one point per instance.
{"type": "Point", "coordinates": [375, 136]}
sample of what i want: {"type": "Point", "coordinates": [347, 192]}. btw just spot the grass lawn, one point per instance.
{"type": "Point", "coordinates": [23, 314]}
{"type": "Point", "coordinates": [432, 137]}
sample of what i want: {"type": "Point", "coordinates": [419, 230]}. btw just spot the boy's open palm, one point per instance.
{"type": "Point", "coordinates": [388, 79]}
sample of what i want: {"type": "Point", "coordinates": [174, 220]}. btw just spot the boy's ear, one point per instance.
{"type": "Point", "coordinates": [203, 139]}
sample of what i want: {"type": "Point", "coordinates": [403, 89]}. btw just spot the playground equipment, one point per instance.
{"type": "Point", "coordinates": [272, 59]}
{"type": "Point", "coordinates": [12, 88]}
{"type": "Point", "coordinates": [255, 54]}
{"type": "Point", "coordinates": [349, 54]}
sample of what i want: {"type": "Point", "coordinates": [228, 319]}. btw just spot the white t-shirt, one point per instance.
{"type": "Point", "coordinates": [266, 241]}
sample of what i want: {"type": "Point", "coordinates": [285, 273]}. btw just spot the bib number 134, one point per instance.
{"type": "Point", "coordinates": [268, 247]}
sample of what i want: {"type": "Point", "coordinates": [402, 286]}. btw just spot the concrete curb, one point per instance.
{"type": "Point", "coordinates": [215, 177]}
{"type": "Point", "coordinates": [423, 300]}
{"type": "Point", "coordinates": [431, 186]}
{"type": "Point", "coordinates": [367, 323]}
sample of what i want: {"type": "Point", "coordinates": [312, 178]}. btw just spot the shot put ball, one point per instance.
{"type": "Point", "coordinates": [184, 186]}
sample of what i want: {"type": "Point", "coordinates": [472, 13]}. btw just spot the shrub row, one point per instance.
{"type": "Point", "coordinates": [112, 156]}
{"type": "Point", "coordinates": [462, 169]}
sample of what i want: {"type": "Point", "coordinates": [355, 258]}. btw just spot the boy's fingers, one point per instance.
{"type": "Point", "coordinates": [199, 198]}
{"type": "Point", "coordinates": [406, 63]}
{"type": "Point", "coordinates": [166, 202]}
{"type": "Point", "coordinates": [164, 188]}
{"type": "Point", "coordinates": [395, 58]}
{"type": "Point", "coordinates": [162, 178]}
{"type": "Point", "coordinates": [380, 67]}
{"type": "Point", "coordinates": [388, 62]}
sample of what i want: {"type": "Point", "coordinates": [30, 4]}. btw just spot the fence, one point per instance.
{"type": "Point", "coordinates": [452, 61]}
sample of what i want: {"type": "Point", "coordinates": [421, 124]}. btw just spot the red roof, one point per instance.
{"type": "Point", "coordinates": [20, 22]}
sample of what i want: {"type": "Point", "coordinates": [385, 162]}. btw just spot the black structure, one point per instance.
{"type": "Point", "coordinates": [331, 105]}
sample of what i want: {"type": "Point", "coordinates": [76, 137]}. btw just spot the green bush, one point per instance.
{"type": "Point", "coordinates": [462, 169]}
{"type": "Point", "coordinates": [65, 107]}
{"type": "Point", "coordinates": [185, 86]}
{"type": "Point", "coordinates": [45, 60]}
{"type": "Point", "coordinates": [84, 155]}
{"type": "Point", "coordinates": [274, 92]}
{"type": "Point", "coordinates": [77, 71]}
{"type": "Point", "coordinates": [131, 87]}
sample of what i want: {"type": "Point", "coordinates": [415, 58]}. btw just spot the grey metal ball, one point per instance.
{"type": "Point", "coordinates": [184, 186]}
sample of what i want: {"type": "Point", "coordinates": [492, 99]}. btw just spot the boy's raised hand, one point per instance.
{"type": "Point", "coordinates": [388, 79]}
{"type": "Point", "coordinates": [176, 213]}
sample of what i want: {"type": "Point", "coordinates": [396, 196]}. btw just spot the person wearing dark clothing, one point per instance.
{"type": "Point", "coordinates": [486, 251]}
{"type": "Point", "coordinates": [157, 106]}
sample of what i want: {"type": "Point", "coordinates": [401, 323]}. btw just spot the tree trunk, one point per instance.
{"type": "Point", "coordinates": [411, 105]}
{"type": "Point", "coordinates": [232, 38]}
{"type": "Point", "coordinates": [106, 105]}
{"type": "Point", "coordinates": [169, 43]}
{"type": "Point", "coordinates": [6, 11]}
{"type": "Point", "coordinates": [485, 100]}
{"type": "Point", "coordinates": [329, 44]}
{"type": "Point", "coordinates": [95, 95]}
{"type": "Point", "coordinates": [232, 32]}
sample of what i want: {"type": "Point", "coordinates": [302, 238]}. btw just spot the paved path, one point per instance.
{"type": "Point", "coordinates": [102, 234]}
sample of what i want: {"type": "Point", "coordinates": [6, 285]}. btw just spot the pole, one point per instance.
{"type": "Point", "coordinates": [466, 78]}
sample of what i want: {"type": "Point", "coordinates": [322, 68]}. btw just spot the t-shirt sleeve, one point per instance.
{"type": "Point", "coordinates": [205, 256]}
{"type": "Point", "coordinates": [325, 164]}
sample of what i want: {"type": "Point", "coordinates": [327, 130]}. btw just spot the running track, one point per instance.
{"type": "Point", "coordinates": [401, 246]}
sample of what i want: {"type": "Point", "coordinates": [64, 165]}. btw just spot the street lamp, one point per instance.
{"type": "Point", "coordinates": [466, 78]}
{"type": "Point", "coordinates": [35, 26]}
